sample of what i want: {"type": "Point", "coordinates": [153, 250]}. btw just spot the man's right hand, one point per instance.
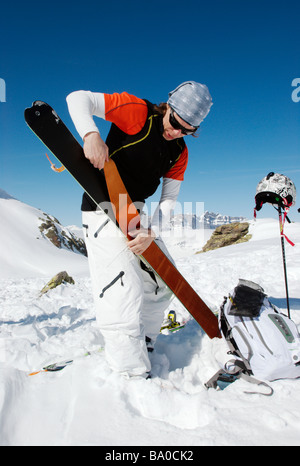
{"type": "Point", "coordinates": [95, 150]}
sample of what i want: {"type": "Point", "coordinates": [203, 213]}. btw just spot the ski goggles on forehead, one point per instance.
{"type": "Point", "coordinates": [176, 125]}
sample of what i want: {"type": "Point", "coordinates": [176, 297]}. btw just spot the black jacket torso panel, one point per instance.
{"type": "Point", "coordinates": [142, 159]}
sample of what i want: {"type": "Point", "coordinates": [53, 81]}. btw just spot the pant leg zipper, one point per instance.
{"type": "Point", "coordinates": [101, 228]}
{"type": "Point", "coordinates": [118, 277]}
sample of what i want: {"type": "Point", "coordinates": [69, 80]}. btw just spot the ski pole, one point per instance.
{"type": "Point", "coordinates": [284, 261]}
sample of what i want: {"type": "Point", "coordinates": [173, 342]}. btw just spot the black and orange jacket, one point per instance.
{"type": "Point", "coordinates": [138, 148]}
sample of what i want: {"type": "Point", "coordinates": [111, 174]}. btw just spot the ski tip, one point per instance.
{"type": "Point", "coordinates": [36, 103]}
{"type": "Point", "coordinates": [39, 103]}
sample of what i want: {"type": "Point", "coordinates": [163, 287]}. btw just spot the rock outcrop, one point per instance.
{"type": "Point", "coordinates": [226, 235]}
{"type": "Point", "coordinates": [61, 237]}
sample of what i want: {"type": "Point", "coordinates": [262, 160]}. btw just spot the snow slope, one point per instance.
{"type": "Point", "coordinates": [87, 404]}
{"type": "Point", "coordinates": [25, 252]}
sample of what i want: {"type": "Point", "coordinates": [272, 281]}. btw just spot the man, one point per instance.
{"type": "Point", "coordinates": [146, 143]}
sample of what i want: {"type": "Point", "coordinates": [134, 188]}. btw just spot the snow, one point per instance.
{"type": "Point", "coordinates": [24, 253]}
{"type": "Point", "coordinates": [87, 404]}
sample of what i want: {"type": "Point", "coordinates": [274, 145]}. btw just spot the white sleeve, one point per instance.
{"type": "Point", "coordinates": [82, 106]}
{"type": "Point", "coordinates": [169, 194]}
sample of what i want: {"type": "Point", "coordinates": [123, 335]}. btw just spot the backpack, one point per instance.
{"type": "Point", "coordinates": [265, 343]}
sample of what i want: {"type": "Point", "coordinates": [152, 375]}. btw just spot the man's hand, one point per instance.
{"type": "Point", "coordinates": [142, 240]}
{"type": "Point", "coordinates": [95, 150]}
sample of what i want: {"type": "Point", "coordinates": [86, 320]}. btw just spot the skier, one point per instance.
{"type": "Point", "coordinates": [146, 142]}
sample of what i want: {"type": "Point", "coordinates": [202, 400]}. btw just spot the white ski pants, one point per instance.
{"type": "Point", "coordinates": [129, 303]}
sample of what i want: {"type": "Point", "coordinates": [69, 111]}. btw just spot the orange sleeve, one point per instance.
{"type": "Point", "coordinates": [177, 171]}
{"type": "Point", "coordinates": [126, 111]}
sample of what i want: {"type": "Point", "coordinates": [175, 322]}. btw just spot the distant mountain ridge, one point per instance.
{"type": "Point", "coordinates": [209, 220]}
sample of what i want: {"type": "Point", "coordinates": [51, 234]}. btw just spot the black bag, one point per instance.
{"type": "Point", "coordinates": [246, 300]}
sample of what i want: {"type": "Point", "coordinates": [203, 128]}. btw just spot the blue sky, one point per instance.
{"type": "Point", "coordinates": [246, 52]}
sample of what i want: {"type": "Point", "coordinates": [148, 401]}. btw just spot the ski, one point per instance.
{"type": "Point", "coordinates": [127, 217]}
{"type": "Point", "coordinates": [50, 129]}
{"type": "Point", "coordinates": [59, 366]}
{"type": "Point", "coordinates": [56, 367]}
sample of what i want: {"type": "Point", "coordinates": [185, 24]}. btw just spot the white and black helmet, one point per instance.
{"type": "Point", "coordinates": [275, 189]}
